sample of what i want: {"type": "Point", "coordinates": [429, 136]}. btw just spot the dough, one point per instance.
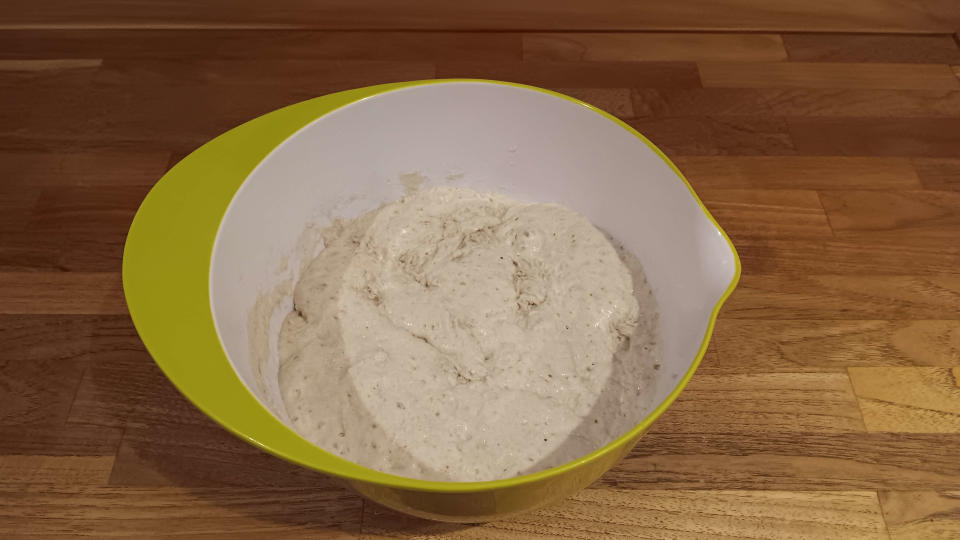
{"type": "Point", "coordinates": [454, 335]}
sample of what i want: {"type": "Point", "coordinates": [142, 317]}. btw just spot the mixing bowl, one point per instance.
{"type": "Point", "coordinates": [226, 226]}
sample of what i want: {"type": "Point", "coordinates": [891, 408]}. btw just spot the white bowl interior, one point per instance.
{"type": "Point", "coordinates": [490, 137]}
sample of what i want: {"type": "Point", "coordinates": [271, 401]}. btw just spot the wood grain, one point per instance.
{"type": "Point", "coordinates": [50, 65]}
{"type": "Point", "coordinates": [659, 47]}
{"type": "Point", "coordinates": [917, 515]}
{"type": "Point", "coordinates": [748, 213]}
{"type": "Point", "coordinates": [126, 118]}
{"type": "Point", "coordinates": [128, 389]}
{"type": "Point", "coordinates": [57, 470]}
{"type": "Point", "coordinates": [89, 293]}
{"type": "Point", "coordinates": [202, 455]}
{"type": "Point", "coordinates": [852, 16]}
{"type": "Point", "coordinates": [853, 297]}
{"type": "Point", "coordinates": [318, 74]}
{"type": "Point", "coordinates": [16, 205]}
{"type": "Point", "coordinates": [827, 75]}
{"type": "Point", "coordinates": [832, 371]}
{"type": "Point", "coordinates": [718, 136]}
{"type": "Point", "coordinates": [751, 346]}
{"type": "Point", "coordinates": [60, 104]}
{"type": "Point", "coordinates": [38, 392]}
{"type": "Point", "coordinates": [263, 44]}
{"type": "Point", "coordinates": [789, 461]}
{"type": "Point", "coordinates": [663, 514]}
{"type": "Point", "coordinates": [30, 339]}
{"type": "Point", "coordinates": [127, 106]}
{"type": "Point", "coordinates": [64, 251]}
{"type": "Point", "coordinates": [213, 512]}
{"type": "Point", "coordinates": [798, 172]}
{"type": "Point", "coordinates": [816, 102]}
{"type": "Point", "coordinates": [59, 440]}
{"type": "Point", "coordinates": [70, 210]}
{"type": "Point", "coordinates": [46, 73]}
{"type": "Point", "coordinates": [775, 402]}
{"type": "Point", "coordinates": [578, 74]}
{"type": "Point", "coordinates": [909, 400]}
{"type": "Point", "coordinates": [931, 49]}
{"type": "Point", "coordinates": [71, 227]}
{"type": "Point", "coordinates": [104, 168]}
{"type": "Point", "coordinates": [917, 215]}
{"type": "Point", "coordinates": [942, 174]}
{"type": "Point", "coordinates": [615, 101]}
{"type": "Point", "coordinates": [860, 253]}
{"type": "Point", "coordinates": [914, 137]}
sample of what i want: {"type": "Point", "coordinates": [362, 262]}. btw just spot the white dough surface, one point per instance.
{"type": "Point", "coordinates": [465, 336]}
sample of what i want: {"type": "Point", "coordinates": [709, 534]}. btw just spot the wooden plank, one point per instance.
{"type": "Point", "coordinates": [931, 49]}
{"type": "Point", "coordinates": [917, 215]}
{"type": "Point", "coordinates": [203, 455]}
{"type": "Point", "coordinates": [75, 228]}
{"type": "Point", "coordinates": [617, 513]}
{"type": "Point", "coordinates": [74, 293]}
{"type": "Point", "coordinates": [938, 173]}
{"type": "Point", "coordinates": [129, 105]}
{"type": "Point", "coordinates": [93, 210]}
{"type": "Point", "coordinates": [749, 213]}
{"type": "Point", "coordinates": [788, 461]}
{"type": "Point", "coordinates": [16, 206]}
{"type": "Point", "coordinates": [826, 75]}
{"type": "Point", "coordinates": [615, 101]}
{"type": "Point", "coordinates": [208, 513]}
{"type": "Point", "coordinates": [797, 172]}
{"type": "Point", "coordinates": [819, 102]}
{"type": "Point", "coordinates": [717, 136]}
{"type": "Point", "coordinates": [65, 251]}
{"type": "Point", "coordinates": [86, 253]}
{"type": "Point", "coordinates": [263, 44]}
{"type": "Point", "coordinates": [128, 389]}
{"type": "Point", "coordinates": [37, 392]}
{"type": "Point", "coordinates": [914, 137]}
{"type": "Point", "coordinates": [56, 102]}
{"type": "Point", "coordinates": [104, 168]}
{"type": "Point", "coordinates": [909, 399]}
{"type": "Point", "coordinates": [318, 73]}
{"type": "Point", "coordinates": [23, 251]}
{"type": "Point", "coordinates": [787, 15]}
{"type": "Point", "coordinates": [127, 117]}
{"type": "Point", "coordinates": [859, 254]}
{"type": "Point", "coordinates": [65, 338]}
{"type": "Point", "coordinates": [50, 65]}
{"type": "Point", "coordinates": [921, 515]}
{"type": "Point", "coordinates": [57, 470]}
{"type": "Point", "coordinates": [751, 346]}
{"type": "Point", "coordinates": [656, 47]}
{"type": "Point", "coordinates": [765, 402]}
{"type": "Point", "coordinates": [826, 296]}
{"type": "Point", "coordinates": [46, 73]}
{"type": "Point", "coordinates": [43, 359]}
{"type": "Point", "coordinates": [578, 74]}
{"type": "Point", "coordinates": [59, 440]}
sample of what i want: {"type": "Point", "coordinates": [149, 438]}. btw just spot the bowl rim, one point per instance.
{"type": "Point", "coordinates": [166, 269]}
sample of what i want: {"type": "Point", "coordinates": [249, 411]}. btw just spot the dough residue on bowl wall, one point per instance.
{"type": "Point", "coordinates": [454, 335]}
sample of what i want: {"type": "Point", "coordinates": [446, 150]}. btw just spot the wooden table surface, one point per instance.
{"type": "Point", "coordinates": [825, 138]}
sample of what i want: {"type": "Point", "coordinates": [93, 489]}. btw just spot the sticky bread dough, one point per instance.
{"type": "Point", "coordinates": [455, 335]}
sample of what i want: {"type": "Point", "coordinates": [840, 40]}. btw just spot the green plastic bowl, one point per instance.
{"type": "Point", "coordinates": [212, 234]}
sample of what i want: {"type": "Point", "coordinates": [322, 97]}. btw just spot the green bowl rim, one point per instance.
{"type": "Point", "coordinates": [166, 268]}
